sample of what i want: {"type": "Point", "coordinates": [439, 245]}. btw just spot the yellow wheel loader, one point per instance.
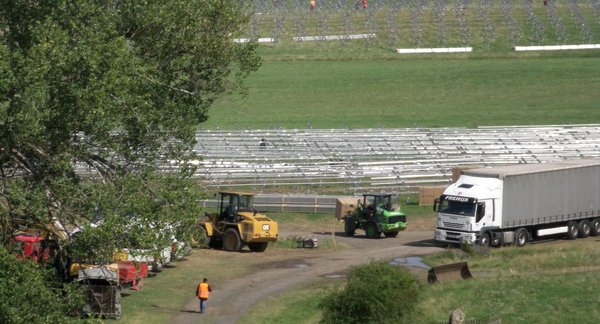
{"type": "Point", "coordinates": [237, 224]}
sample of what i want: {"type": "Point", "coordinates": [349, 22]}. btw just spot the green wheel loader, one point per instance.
{"type": "Point", "coordinates": [375, 215]}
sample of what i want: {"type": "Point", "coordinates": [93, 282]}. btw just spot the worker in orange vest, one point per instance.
{"type": "Point", "coordinates": [202, 291]}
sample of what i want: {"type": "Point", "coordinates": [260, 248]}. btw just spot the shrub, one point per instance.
{"type": "Point", "coordinates": [468, 248]}
{"type": "Point", "coordinates": [32, 298]}
{"type": "Point", "coordinates": [376, 292]}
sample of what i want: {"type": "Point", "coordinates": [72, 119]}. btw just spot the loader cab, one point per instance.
{"type": "Point", "coordinates": [378, 202]}
{"type": "Point", "coordinates": [232, 203]}
{"type": "Point", "coordinates": [374, 204]}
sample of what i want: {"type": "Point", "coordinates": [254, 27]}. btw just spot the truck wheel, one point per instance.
{"type": "Point", "coordinates": [595, 227]}
{"type": "Point", "coordinates": [349, 226]}
{"type": "Point", "coordinates": [585, 228]}
{"type": "Point", "coordinates": [258, 246]}
{"type": "Point", "coordinates": [372, 230]}
{"type": "Point", "coordinates": [572, 230]}
{"type": "Point", "coordinates": [521, 237]}
{"type": "Point", "coordinates": [232, 240]}
{"type": "Point", "coordinates": [390, 234]}
{"type": "Point", "coordinates": [484, 241]}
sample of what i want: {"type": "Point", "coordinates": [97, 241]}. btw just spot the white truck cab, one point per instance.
{"type": "Point", "coordinates": [467, 207]}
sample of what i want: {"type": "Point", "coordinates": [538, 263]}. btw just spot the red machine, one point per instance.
{"type": "Point", "coordinates": [38, 249]}
{"type": "Point", "coordinates": [130, 273]}
{"type": "Point", "coordinates": [32, 247]}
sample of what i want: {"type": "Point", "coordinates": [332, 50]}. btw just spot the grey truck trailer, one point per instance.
{"type": "Point", "coordinates": [521, 202]}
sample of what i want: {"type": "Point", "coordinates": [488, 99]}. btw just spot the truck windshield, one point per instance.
{"type": "Point", "coordinates": [457, 207]}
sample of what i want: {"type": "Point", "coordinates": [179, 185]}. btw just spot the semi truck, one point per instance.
{"type": "Point", "coordinates": [515, 204]}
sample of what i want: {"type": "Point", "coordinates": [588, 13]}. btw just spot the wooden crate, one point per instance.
{"type": "Point", "coordinates": [457, 169]}
{"type": "Point", "coordinates": [427, 194]}
{"type": "Point", "coordinates": [345, 205]}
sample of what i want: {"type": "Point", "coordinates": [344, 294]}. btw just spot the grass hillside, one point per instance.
{"type": "Point", "coordinates": [445, 91]}
{"type": "Point", "coordinates": [364, 83]}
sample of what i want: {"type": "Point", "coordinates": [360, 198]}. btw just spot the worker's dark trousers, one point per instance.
{"type": "Point", "coordinates": [202, 304]}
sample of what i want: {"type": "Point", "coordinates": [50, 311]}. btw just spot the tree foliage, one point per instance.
{"type": "Point", "coordinates": [29, 298]}
{"type": "Point", "coordinates": [96, 95]}
{"type": "Point", "coordinates": [376, 292]}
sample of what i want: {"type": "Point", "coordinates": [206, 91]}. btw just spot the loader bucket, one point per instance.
{"type": "Point", "coordinates": [450, 271]}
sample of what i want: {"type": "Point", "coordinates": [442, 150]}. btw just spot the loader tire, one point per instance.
{"type": "Point", "coordinates": [390, 234]}
{"type": "Point", "coordinates": [372, 230]}
{"type": "Point", "coordinates": [232, 240]}
{"type": "Point", "coordinates": [215, 244]}
{"type": "Point", "coordinates": [201, 238]}
{"type": "Point", "coordinates": [258, 246]}
{"type": "Point", "coordinates": [349, 226]}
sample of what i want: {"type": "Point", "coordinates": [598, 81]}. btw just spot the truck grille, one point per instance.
{"type": "Point", "coordinates": [450, 236]}
{"type": "Point", "coordinates": [452, 225]}
{"type": "Point", "coordinates": [396, 219]}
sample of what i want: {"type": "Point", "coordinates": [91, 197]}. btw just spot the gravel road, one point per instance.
{"type": "Point", "coordinates": [285, 269]}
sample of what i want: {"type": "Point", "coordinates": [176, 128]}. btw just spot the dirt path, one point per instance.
{"type": "Point", "coordinates": [287, 270]}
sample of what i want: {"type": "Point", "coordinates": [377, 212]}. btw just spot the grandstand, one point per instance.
{"type": "Point", "coordinates": [377, 159]}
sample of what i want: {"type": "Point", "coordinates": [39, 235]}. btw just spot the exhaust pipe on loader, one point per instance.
{"type": "Point", "coordinates": [446, 272]}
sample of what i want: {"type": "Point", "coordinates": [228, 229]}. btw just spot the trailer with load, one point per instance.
{"type": "Point", "coordinates": [515, 204]}
{"type": "Point", "coordinates": [237, 224]}
{"type": "Point", "coordinates": [101, 283]}
{"type": "Point", "coordinates": [375, 214]}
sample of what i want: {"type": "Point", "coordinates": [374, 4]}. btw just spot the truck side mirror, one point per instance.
{"type": "Point", "coordinates": [436, 201]}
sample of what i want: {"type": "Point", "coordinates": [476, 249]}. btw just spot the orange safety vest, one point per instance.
{"type": "Point", "coordinates": [203, 290]}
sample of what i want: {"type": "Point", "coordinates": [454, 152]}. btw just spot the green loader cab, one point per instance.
{"type": "Point", "coordinates": [375, 215]}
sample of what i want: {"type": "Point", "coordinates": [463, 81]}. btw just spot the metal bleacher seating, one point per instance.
{"type": "Point", "coordinates": [377, 159]}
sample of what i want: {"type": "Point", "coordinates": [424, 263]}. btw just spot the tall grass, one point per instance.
{"type": "Point", "coordinates": [295, 306]}
{"type": "Point", "coordinates": [541, 283]}
{"type": "Point", "coordinates": [552, 282]}
{"type": "Point", "coordinates": [555, 298]}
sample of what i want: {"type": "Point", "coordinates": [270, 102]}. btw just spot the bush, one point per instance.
{"type": "Point", "coordinates": [376, 292]}
{"type": "Point", "coordinates": [32, 298]}
{"type": "Point", "coordinates": [468, 248]}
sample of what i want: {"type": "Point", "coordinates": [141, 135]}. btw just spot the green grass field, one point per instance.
{"type": "Point", "coordinates": [448, 91]}
{"type": "Point", "coordinates": [366, 84]}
